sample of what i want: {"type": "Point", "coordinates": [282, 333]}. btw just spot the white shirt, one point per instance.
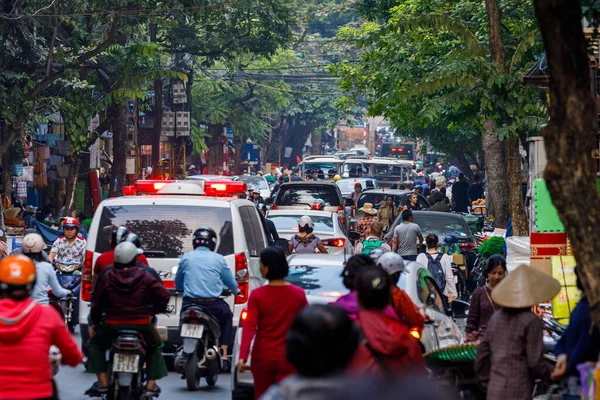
{"type": "Point", "coordinates": [446, 261]}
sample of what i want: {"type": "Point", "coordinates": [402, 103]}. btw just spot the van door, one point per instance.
{"type": "Point", "coordinates": [256, 240]}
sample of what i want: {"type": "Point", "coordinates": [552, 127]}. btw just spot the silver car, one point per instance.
{"type": "Point", "coordinates": [327, 226]}
{"type": "Point", "coordinates": [320, 277]}
{"type": "Point", "coordinates": [258, 182]}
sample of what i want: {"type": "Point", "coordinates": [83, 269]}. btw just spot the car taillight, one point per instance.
{"type": "Point", "coordinates": [465, 246]}
{"type": "Point", "coordinates": [86, 276]}
{"type": "Point", "coordinates": [334, 242]}
{"type": "Point", "coordinates": [219, 188]}
{"type": "Point", "coordinates": [243, 317]}
{"type": "Point", "coordinates": [415, 333]}
{"type": "Point", "coordinates": [274, 207]}
{"type": "Point", "coordinates": [241, 276]}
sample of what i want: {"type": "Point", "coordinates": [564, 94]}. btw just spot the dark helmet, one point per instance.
{"type": "Point", "coordinates": [133, 238]}
{"type": "Point", "coordinates": [370, 184]}
{"type": "Point", "coordinates": [206, 237]}
{"type": "Point", "coordinates": [450, 239]}
{"type": "Point", "coordinates": [118, 234]}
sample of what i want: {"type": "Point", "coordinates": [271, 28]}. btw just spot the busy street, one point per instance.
{"type": "Point", "coordinates": [299, 200]}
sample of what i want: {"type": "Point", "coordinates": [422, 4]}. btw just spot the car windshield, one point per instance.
{"type": "Point", "coordinates": [348, 186]}
{"type": "Point", "coordinates": [167, 228]}
{"type": "Point", "coordinates": [297, 194]}
{"type": "Point", "coordinates": [257, 181]}
{"type": "Point", "coordinates": [324, 281]}
{"type": "Point", "coordinates": [290, 222]}
{"type": "Point", "coordinates": [388, 170]}
{"type": "Point", "coordinates": [376, 199]}
{"type": "Point", "coordinates": [442, 225]}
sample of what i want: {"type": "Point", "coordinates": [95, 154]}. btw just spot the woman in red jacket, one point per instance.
{"type": "Point", "coordinates": [387, 347]}
{"type": "Point", "coordinates": [28, 328]}
{"type": "Point", "coordinates": [271, 310]}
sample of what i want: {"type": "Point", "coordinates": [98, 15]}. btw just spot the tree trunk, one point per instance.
{"type": "Point", "coordinates": [520, 224]}
{"type": "Point", "coordinates": [569, 138]}
{"type": "Point", "coordinates": [237, 159]}
{"type": "Point", "coordinates": [495, 172]}
{"type": "Point", "coordinates": [72, 185]}
{"type": "Point", "coordinates": [295, 138]}
{"type": "Point", "coordinates": [215, 148]}
{"type": "Point", "coordinates": [118, 111]}
{"type": "Point", "coordinates": [495, 33]}
{"type": "Point", "coordinates": [316, 148]}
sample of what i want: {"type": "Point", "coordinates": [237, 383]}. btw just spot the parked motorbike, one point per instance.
{"type": "Point", "coordinates": [69, 277]}
{"type": "Point", "coordinates": [200, 355]}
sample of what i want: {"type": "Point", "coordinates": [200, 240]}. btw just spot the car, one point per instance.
{"type": "Point", "coordinates": [320, 278]}
{"type": "Point", "coordinates": [326, 166]}
{"type": "Point", "coordinates": [165, 223]}
{"type": "Point", "coordinates": [209, 178]}
{"type": "Point", "coordinates": [378, 196]}
{"type": "Point", "coordinates": [327, 226]}
{"type": "Point", "coordinates": [347, 185]}
{"type": "Point", "coordinates": [258, 182]}
{"type": "Point", "coordinates": [302, 195]}
{"type": "Point", "coordinates": [442, 224]}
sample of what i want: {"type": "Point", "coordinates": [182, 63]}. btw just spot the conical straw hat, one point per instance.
{"type": "Point", "coordinates": [525, 287]}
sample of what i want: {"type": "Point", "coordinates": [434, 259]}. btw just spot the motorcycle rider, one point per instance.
{"type": "Point", "coordinates": [45, 276]}
{"type": "Point", "coordinates": [120, 302]}
{"type": "Point", "coordinates": [27, 330]}
{"type": "Point", "coordinates": [19, 251]}
{"type": "Point", "coordinates": [201, 275]}
{"type": "Point", "coordinates": [70, 246]}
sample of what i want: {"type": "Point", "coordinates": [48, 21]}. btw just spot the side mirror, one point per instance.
{"type": "Point", "coordinates": [283, 245]}
{"type": "Point", "coordinates": [350, 203]}
{"type": "Point", "coordinates": [460, 308]}
{"type": "Point", "coordinates": [269, 201]}
{"type": "Point", "coordinates": [354, 236]}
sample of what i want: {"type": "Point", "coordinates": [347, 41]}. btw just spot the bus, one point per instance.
{"type": "Point", "coordinates": [401, 151]}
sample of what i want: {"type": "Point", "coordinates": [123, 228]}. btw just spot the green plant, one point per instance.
{"type": "Point", "coordinates": [491, 246]}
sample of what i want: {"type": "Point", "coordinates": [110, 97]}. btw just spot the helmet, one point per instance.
{"type": "Point", "coordinates": [125, 255]}
{"type": "Point", "coordinates": [251, 188]}
{"type": "Point", "coordinates": [375, 254]}
{"type": "Point", "coordinates": [133, 238]}
{"type": "Point", "coordinates": [370, 184]}
{"type": "Point", "coordinates": [337, 177]}
{"type": "Point", "coordinates": [306, 220]}
{"type": "Point", "coordinates": [118, 234]}
{"type": "Point", "coordinates": [391, 263]}
{"type": "Point", "coordinates": [33, 243]}
{"type": "Point", "coordinates": [70, 223]}
{"type": "Point", "coordinates": [192, 166]}
{"type": "Point", "coordinates": [206, 237]}
{"type": "Point", "coordinates": [451, 239]}
{"type": "Point", "coordinates": [318, 204]}
{"type": "Point", "coordinates": [261, 207]}
{"type": "Point", "coordinates": [16, 272]}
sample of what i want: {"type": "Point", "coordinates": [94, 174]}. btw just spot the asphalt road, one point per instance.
{"type": "Point", "coordinates": [73, 382]}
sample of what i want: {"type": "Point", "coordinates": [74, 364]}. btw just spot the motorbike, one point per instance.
{"type": "Point", "coordinates": [69, 277]}
{"type": "Point", "coordinates": [200, 355]}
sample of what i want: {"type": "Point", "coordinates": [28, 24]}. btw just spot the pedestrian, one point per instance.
{"type": "Point", "coordinates": [413, 202]}
{"type": "Point", "coordinates": [440, 267]}
{"type": "Point", "coordinates": [27, 330]}
{"type": "Point", "coordinates": [511, 355]}
{"type": "Point", "coordinates": [579, 344]}
{"type": "Point", "coordinates": [305, 242]}
{"type": "Point", "coordinates": [388, 212]}
{"type": "Point", "coordinates": [460, 194]}
{"type": "Point", "coordinates": [269, 226]}
{"type": "Point", "coordinates": [373, 241]}
{"type": "Point", "coordinates": [407, 237]}
{"type": "Point", "coordinates": [482, 306]}
{"type": "Point", "coordinates": [438, 203]}
{"type": "Point", "coordinates": [453, 171]}
{"type": "Point", "coordinates": [320, 345]}
{"type": "Point", "coordinates": [443, 191]}
{"type": "Point", "coordinates": [406, 310]}
{"type": "Point", "coordinates": [387, 347]}
{"type": "Point", "coordinates": [363, 225]}
{"type": "Point", "coordinates": [357, 192]}
{"type": "Point", "coordinates": [370, 185]}
{"type": "Point", "coordinates": [476, 190]}
{"type": "Point", "coordinates": [271, 310]}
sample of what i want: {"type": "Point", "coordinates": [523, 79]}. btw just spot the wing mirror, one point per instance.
{"type": "Point", "coordinates": [354, 236]}
{"type": "Point", "coordinates": [460, 308]}
{"type": "Point", "coordinates": [283, 245]}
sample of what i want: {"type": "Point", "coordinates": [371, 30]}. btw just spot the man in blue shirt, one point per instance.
{"type": "Point", "coordinates": [201, 275]}
{"type": "Point", "coordinates": [453, 171]}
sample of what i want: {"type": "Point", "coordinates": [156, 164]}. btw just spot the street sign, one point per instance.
{"type": "Point", "coordinates": [230, 134]}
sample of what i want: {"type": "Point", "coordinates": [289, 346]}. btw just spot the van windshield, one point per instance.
{"type": "Point", "coordinates": [167, 228]}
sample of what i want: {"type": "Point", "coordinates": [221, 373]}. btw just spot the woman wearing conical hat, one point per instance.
{"type": "Point", "coordinates": [511, 355]}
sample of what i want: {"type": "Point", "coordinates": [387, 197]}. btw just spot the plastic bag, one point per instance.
{"type": "Point", "coordinates": [518, 252]}
{"type": "Point", "coordinates": [27, 174]}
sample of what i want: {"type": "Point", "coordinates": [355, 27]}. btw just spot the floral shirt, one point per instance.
{"type": "Point", "coordinates": [363, 226]}
{"type": "Point", "coordinates": [66, 251]}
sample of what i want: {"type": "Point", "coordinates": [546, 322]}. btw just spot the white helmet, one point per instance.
{"type": "Point", "coordinates": [391, 263]}
{"type": "Point", "coordinates": [33, 243]}
{"type": "Point", "coordinates": [306, 220]}
{"type": "Point", "coordinates": [125, 253]}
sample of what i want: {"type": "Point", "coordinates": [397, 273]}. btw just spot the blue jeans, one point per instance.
{"type": "Point", "coordinates": [219, 310]}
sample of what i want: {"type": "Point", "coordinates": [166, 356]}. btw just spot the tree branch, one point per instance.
{"type": "Point", "coordinates": [52, 40]}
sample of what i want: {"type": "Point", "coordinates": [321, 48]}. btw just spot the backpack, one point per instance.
{"type": "Point", "coordinates": [436, 270]}
{"type": "Point", "coordinates": [371, 244]}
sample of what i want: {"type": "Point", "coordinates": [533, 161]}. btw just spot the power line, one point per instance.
{"type": "Point", "coordinates": [290, 90]}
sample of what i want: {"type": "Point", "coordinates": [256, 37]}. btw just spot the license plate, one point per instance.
{"type": "Point", "coordinates": [126, 363]}
{"type": "Point", "coordinates": [192, 331]}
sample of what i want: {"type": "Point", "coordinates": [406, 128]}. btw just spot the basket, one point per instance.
{"type": "Point", "coordinates": [451, 355]}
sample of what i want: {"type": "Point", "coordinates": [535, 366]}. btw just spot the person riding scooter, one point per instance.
{"type": "Point", "coordinates": [201, 275]}
{"type": "Point", "coordinates": [70, 246]}
{"type": "Point", "coordinates": [120, 302]}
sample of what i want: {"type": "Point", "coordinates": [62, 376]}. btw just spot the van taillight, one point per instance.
{"type": "Point", "coordinates": [86, 276]}
{"type": "Point", "coordinates": [274, 207]}
{"type": "Point", "coordinates": [243, 318]}
{"type": "Point", "coordinates": [241, 276]}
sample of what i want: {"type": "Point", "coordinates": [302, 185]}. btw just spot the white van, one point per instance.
{"type": "Point", "coordinates": [165, 224]}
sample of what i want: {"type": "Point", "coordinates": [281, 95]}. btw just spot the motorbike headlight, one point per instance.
{"type": "Point", "coordinates": [67, 268]}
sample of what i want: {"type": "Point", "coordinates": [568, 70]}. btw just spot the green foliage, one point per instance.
{"type": "Point", "coordinates": [77, 108]}
{"type": "Point", "coordinates": [491, 246]}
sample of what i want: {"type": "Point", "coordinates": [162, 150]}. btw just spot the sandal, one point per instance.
{"type": "Point", "coordinates": [96, 390]}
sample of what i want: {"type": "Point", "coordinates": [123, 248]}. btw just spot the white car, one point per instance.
{"type": "Point", "coordinates": [259, 182]}
{"type": "Point", "coordinates": [320, 277]}
{"type": "Point", "coordinates": [165, 223]}
{"type": "Point", "coordinates": [327, 226]}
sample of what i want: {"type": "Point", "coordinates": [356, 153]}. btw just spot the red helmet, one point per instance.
{"type": "Point", "coordinates": [70, 223]}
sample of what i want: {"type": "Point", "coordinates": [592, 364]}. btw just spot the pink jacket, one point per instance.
{"type": "Point", "coordinates": [27, 330]}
